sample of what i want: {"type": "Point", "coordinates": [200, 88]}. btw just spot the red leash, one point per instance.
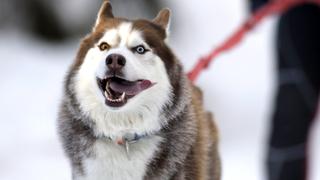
{"type": "Point", "coordinates": [276, 6]}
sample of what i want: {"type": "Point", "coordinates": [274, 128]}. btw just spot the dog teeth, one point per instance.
{"type": "Point", "coordinates": [107, 91]}
{"type": "Point", "coordinates": [107, 85]}
{"type": "Point", "coordinates": [120, 99]}
{"type": "Point", "coordinates": [123, 96]}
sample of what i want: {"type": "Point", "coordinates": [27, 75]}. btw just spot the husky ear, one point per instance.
{"type": "Point", "coordinates": [105, 12]}
{"type": "Point", "coordinates": [163, 19]}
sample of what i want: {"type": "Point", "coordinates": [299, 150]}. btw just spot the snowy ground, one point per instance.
{"type": "Point", "coordinates": [238, 89]}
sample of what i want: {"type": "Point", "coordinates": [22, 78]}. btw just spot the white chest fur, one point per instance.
{"type": "Point", "coordinates": [111, 162]}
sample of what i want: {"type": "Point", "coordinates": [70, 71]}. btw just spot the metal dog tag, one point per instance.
{"type": "Point", "coordinates": [127, 148]}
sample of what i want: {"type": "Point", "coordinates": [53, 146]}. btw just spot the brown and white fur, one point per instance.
{"type": "Point", "coordinates": [181, 141]}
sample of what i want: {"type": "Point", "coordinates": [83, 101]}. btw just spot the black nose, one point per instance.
{"type": "Point", "coordinates": [115, 61]}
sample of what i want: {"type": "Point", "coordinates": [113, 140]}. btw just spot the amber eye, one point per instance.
{"type": "Point", "coordinates": [104, 46]}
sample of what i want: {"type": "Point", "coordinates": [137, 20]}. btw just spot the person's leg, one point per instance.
{"type": "Point", "coordinates": [298, 49]}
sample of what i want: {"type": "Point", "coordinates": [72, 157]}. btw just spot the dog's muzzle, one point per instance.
{"type": "Point", "coordinates": [115, 88]}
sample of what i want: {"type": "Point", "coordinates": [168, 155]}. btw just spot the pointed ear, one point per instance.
{"type": "Point", "coordinates": [163, 19]}
{"type": "Point", "coordinates": [105, 12]}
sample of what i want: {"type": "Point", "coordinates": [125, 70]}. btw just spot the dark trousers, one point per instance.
{"type": "Point", "coordinates": [298, 54]}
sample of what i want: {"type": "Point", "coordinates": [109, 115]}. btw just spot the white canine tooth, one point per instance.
{"type": "Point", "coordinates": [107, 85]}
{"type": "Point", "coordinates": [123, 96]}
{"type": "Point", "coordinates": [106, 94]}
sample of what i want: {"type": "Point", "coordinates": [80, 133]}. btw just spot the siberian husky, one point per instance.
{"type": "Point", "coordinates": [129, 112]}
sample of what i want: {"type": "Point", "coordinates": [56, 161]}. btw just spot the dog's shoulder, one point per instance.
{"type": "Point", "coordinates": [206, 163]}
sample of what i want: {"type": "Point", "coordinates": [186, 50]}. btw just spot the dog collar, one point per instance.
{"type": "Point", "coordinates": [126, 140]}
{"type": "Point", "coordinates": [129, 138]}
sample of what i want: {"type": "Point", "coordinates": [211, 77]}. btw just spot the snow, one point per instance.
{"type": "Point", "coordinates": [238, 87]}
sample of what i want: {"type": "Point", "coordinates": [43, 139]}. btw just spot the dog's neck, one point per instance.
{"type": "Point", "coordinates": [126, 125]}
{"type": "Point", "coordinates": [126, 139]}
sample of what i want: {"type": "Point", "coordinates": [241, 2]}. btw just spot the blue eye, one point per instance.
{"type": "Point", "coordinates": [140, 49]}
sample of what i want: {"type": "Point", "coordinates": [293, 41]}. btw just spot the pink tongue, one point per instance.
{"type": "Point", "coordinates": [132, 88]}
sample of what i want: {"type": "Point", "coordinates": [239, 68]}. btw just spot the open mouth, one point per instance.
{"type": "Point", "coordinates": [117, 91]}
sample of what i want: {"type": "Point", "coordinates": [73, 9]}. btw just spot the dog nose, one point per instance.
{"type": "Point", "coordinates": [115, 61]}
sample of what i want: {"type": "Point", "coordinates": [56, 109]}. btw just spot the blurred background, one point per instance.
{"type": "Point", "coordinates": [39, 40]}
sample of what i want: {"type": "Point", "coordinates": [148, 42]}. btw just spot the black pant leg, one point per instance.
{"type": "Point", "coordinates": [298, 50]}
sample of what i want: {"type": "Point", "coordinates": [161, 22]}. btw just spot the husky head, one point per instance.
{"type": "Point", "coordinates": [124, 76]}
